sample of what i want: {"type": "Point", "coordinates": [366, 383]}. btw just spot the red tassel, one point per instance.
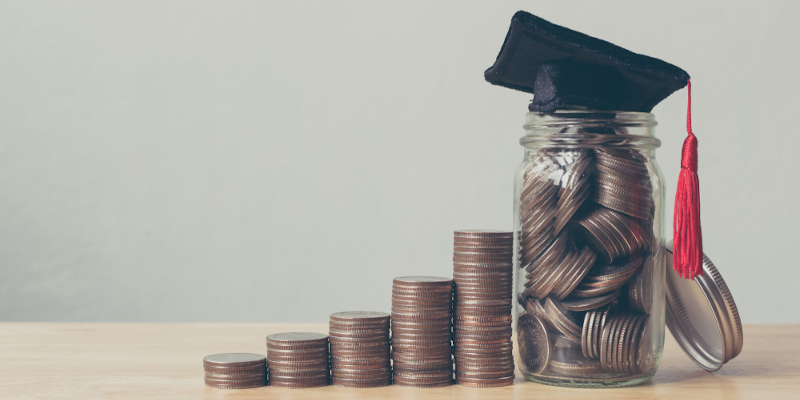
{"type": "Point", "coordinates": [687, 253]}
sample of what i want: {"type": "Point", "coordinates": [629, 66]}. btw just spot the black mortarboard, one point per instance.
{"type": "Point", "coordinates": [565, 69]}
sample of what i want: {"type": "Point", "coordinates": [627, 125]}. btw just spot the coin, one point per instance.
{"type": "Point", "coordinates": [234, 360]}
{"type": "Point", "coordinates": [580, 267]}
{"type": "Point", "coordinates": [571, 362]}
{"type": "Point", "coordinates": [559, 314]}
{"type": "Point", "coordinates": [486, 382]}
{"type": "Point", "coordinates": [534, 343]}
{"type": "Point", "coordinates": [235, 371]}
{"type": "Point", "coordinates": [645, 356]}
{"type": "Point", "coordinates": [360, 383]}
{"type": "Point", "coordinates": [588, 303]}
{"type": "Point", "coordinates": [360, 316]}
{"type": "Point", "coordinates": [477, 233]}
{"type": "Point", "coordinates": [297, 339]}
{"type": "Point", "coordinates": [235, 383]}
{"type": "Point", "coordinates": [422, 281]}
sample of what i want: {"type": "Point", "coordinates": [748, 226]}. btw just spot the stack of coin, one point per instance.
{"type": "Point", "coordinates": [360, 349]}
{"type": "Point", "coordinates": [483, 274]}
{"type": "Point", "coordinates": [235, 370]}
{"type": "Point", "coordinates": [298, 359]}
{"type": "Point", "coordinates": [622, 183]}
{"type": "Point", "coordinates": [586, 253]}
{"type": "Point", "coordinates": [621, 343]}
{"type": "Point", "coordinates": [421, 331]}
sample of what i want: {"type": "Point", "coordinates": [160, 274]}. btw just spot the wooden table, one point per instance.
{"type": "Point", "coordinates": [150, 361]}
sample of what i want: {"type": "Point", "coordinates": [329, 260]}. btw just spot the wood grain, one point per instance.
{"type": "Point", "coordinates": [155, 361]}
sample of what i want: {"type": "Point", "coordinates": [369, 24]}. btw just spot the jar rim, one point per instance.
{"type": "Point", "coordinates": [536, 119]}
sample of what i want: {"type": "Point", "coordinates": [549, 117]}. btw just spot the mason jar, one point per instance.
{"type": "Point", "coordinates": [589, 249]}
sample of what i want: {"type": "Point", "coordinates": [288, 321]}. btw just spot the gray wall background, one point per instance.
{"type": "Point", "coordinates": [279, 161]}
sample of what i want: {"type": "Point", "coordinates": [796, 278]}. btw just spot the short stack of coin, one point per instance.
{"type": "Point", "coordinates": [235, 370]}
{"type": "Point", "coordinates": [360, 349]}
{"type": "Point", "coordinates": [482, 272]}
{"type": "Point", "coordinates": [421, 331]}
{"type": "Point", "coordinates": [298, 359]}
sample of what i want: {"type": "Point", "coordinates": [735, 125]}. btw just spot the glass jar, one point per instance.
{"type": "Point", "coordinates": [589, 262]}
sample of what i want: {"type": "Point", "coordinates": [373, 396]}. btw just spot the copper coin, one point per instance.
{"type": "Point", "coordinates": [552, 255]}
{"type": "Point", "coordinates": [300, 385]}
{"type": "Point", "coordinates": [501, 253]}
{"type": "Point", "coordinates": [360, 316]}
{"type": "Point", "coordinates": [582, 264]}
{"type": "Point", "coordinates": [482, 348]}
{"type": "Point", "coordinates": [564, 318]}
{"type": "Point", "coordinates": [421, 366]}
{"type": "Point", "coordinates": [468, 325]}
{"type": "Point", "coordinates": [360, 353]}
{"type": "Point", "coordinates": [352, 344]}
{"type": "Point", "coordinates": [420, 310]}
{"type": "Point", "coordinates": [586, 333]}
{"type": "Point", "coordinates": [278, 364]}
{"type": "Point", "coordinates": [420, 317]}
{"type": "Point", "coordinates": [297, 339]}
{"type": "Point", "coordinates": [478, 233]}
{"type": "Point", "coordinates": [227, 372]}
{"type": "Point", "coordinates": [465, 266]}
{"type": "Point", "coordinates": [421, 356]}
{"type": "Point", "coordinates": [421, 329]}
{"type": "Point", "coordinates": [628, 351]}
{"type": "Point", "coordinates": [496, 382]}
{"type": "Point", "coordinates": [483, 242]}
{"type": "Point", "coordinates": [424, 375]}
{"type": "Point", "coordinates": [420, 359]}
{"type": "Point", "coordinates": [422, 301]}
{"type": "Point", "coordinates": [572, 363]}
{"type": "Point", "coordinates": [298, 376]}
{"type": "Point", "coordinates": [253, 375]}
{"type": "Point", "coordinates": [361, 374]}
{"type": "Point", "coordinates": [589, 303]}
{"type": "Point", "coordinates": [411, 383]}
{"type": "Point", "coordinates": [235, 374]}
{"type": "Point", "coordinates": [478, 319]}
{"type": "Point", "coordinates": [483, 357]}
{"type": "Point", "coordinates": [494, 374]}
{"type": "Point", "coordinates": [361, 383]}
{"type": "Point", "coordinates": [235, 384]}
{"type": "Point", "coordinates": [426, 281]}
{"type": "Point", "coordinates": [606, 342]}
{"type": "Point", "coordinates": [645, 356]}
{"type": "Point", "coordinates": [299, 361]}
{"type": "Point", "coordinates": [384, 333]}
{"type": "Point", "coordinates": [534, 343]}
{"type": "Point", "coordinates": [234, 360]}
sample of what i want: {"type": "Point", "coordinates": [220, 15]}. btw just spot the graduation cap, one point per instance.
{"type": "Point", "coordinates": [565, 69]}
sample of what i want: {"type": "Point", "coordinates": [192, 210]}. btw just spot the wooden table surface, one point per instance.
{"type": "Point", "coordinates": [153, 361]}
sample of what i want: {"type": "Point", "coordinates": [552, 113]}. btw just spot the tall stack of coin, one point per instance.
{"type": "Point", "coordinates": [421, 330]}
{"type": "Point", "coordinates": [298, 359]}
{"type": "Point", "coordinates": [360, 349]}
{"type": "Point", "coordinates": [586, 257]}
{"type": "Point", "coordinates": [235, 370]}
{"type": "Point", "coordinates": [482, 272]}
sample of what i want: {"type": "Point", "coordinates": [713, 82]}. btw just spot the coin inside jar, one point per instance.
{"type": "Point", "coordinates": [534, 343]}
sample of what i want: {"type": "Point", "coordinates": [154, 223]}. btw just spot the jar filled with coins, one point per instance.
{"type": "Point", "coordinates": [589, 262]}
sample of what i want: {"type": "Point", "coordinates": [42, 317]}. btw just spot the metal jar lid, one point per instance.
{"type": "Point", "coordinates": [702, 316]}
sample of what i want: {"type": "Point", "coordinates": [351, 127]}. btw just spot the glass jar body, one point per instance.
{"type": "Point", "coordinates": [589, 239]}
